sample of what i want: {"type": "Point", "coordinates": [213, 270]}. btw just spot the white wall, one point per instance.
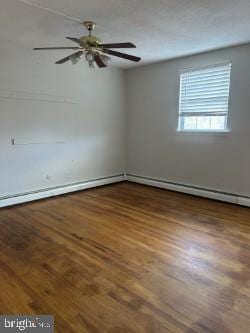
{"type": "Point", "coordinates": [46, 103]}
{"type": "Point", "coordinates": [156, 150]}
{"type": "Point", "coordinates": [85, 109]}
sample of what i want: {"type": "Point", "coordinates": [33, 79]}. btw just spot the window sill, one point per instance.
{"type": "Point", "coordinates": [205, 132]}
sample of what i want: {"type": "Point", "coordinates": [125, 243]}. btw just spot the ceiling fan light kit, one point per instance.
{"type": "Point", "coordinates": [94, 50]}
{"type": "Point", "coordinates": [75, 58]}
{"type": "Point", "coordinates": [106, 59]}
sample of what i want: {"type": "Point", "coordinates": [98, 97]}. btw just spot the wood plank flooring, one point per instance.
{"type": "Point", "coordinates": [127, 258]}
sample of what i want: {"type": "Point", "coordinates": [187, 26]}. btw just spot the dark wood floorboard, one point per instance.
{"type": "Point", "coordinates": [127, 258]}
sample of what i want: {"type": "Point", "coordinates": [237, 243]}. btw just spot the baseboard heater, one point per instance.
{"type": "Point", "coordinates": [188, 189]}
{"type": "Point", "coordinates": [54, 191]}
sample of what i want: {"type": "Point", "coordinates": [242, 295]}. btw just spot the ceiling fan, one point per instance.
{"type": "Point", "coordinates": [94, 50]}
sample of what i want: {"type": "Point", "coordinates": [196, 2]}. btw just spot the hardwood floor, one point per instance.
{"type": "Point", "coordinates": [127, 258]}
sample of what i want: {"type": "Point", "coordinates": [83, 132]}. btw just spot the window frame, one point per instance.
{"type": "Point", "coordinates": [181, 129]}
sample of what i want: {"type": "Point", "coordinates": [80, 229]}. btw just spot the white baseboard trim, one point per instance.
{"type": "Point", "coordinates": [210, 194]}
{"type": "Point", "coordinates": [51, 192]}
{"type": "Point", "coordinates": [244, 201]}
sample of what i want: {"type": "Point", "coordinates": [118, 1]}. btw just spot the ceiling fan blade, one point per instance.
{"type": "Point", "coordinates": [99, 61]}
{"type": "Point", "coordinates": [62, 61]}
{"type": "Point", "coordinates": [56, 48]}
{"type": "Point", "coordinates": [118, 45]}
{"type": "Point", "coordinates": [122, 55]}
{"type": "Point", "coordinates": [77, 40]}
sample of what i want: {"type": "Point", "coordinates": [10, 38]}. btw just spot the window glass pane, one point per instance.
{"type": "Point", "coordinates": [190, 122]}
{"type": "Point", "coordinates": [203, 123]}
{"type": "Point", "coordinates": [218, 122]}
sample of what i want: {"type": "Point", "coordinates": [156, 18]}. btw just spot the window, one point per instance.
{"type": "Point", "coordinates": [204, 95]}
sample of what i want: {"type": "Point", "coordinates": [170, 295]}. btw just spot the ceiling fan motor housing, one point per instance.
{"type": "Point", "coordinates": [91, 41]}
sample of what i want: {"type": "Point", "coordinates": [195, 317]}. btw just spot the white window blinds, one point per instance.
{"type": "Point", "coordinates": [204, 95]}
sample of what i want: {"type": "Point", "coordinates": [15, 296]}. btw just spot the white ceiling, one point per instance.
{"type": "Point", "coordinates": [161, 29]}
